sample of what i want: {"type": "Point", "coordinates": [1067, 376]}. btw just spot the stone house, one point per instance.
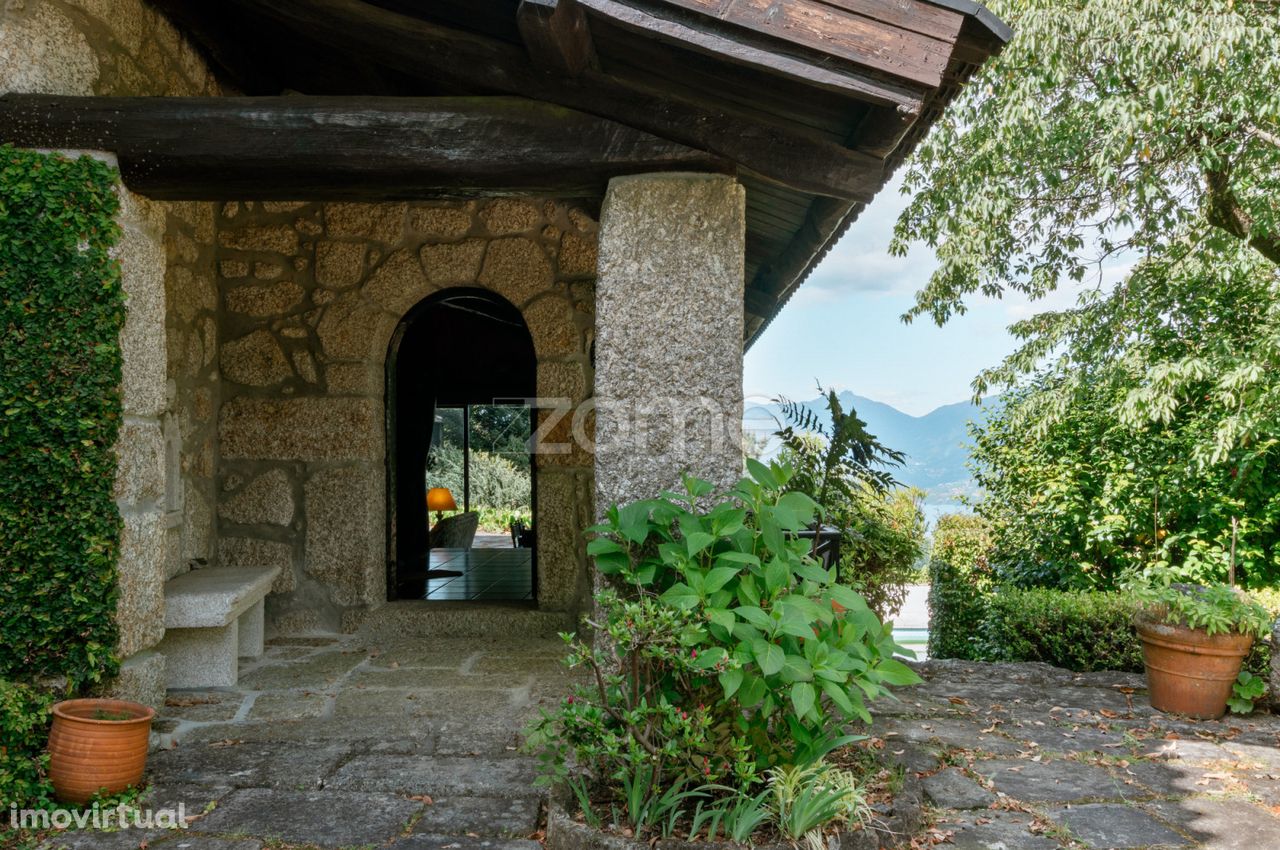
{"type": "Point", "coordinates": [646, 182]}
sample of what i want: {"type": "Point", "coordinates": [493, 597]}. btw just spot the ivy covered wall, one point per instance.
{"type": "Point", "coordinates": [61, 314]}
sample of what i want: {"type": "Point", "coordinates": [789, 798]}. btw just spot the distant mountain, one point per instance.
{"type": "Point", "coordinates": [936, 444]}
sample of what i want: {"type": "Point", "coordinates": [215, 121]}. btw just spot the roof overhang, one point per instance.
{"type": "Point", "coordinates": [811, 103]}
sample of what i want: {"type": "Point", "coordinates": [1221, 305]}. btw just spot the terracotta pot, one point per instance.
{"type": "Point", "coordinates": [97, 745]}
{"type": "Point", "coordinates": [1189, 672]}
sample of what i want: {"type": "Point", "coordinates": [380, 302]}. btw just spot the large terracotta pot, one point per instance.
{"type": "Point", "coordinates": [97, 745]}
{"type": "Point", "coordinates": [1189, 672]}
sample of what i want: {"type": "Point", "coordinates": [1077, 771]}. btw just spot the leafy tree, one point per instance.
{"type": "Point", "coordinates": [1112, 131]}
{"type": "Point", "coordinates": [1104, 126]}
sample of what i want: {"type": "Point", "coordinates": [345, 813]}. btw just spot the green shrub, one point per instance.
{"type": "Point", "coordinates": [24, 730]}
{"type": "Point", "coordinates": [722, 648]}
{"type": "Point", "coordinates": [1081, 630]}
{"type": "Point", "coordinates": [1078, 630]}
{"type": "Point", "coordinates": [846, 468]}
{"type": "Point", "coordinates": [61, 312]}
{"type": "Point", "coordinates": [881, 546]}
{"type": "Point", "coordinates": [959, 581]}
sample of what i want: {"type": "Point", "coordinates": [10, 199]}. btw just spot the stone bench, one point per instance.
{"type": "Point", "coordinates": [213, 617]}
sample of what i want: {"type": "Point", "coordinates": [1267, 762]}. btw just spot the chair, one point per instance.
{"type": "Point", "coordinates": [455, 532]}
{"type": "Point", "coordinates": [517, 529]}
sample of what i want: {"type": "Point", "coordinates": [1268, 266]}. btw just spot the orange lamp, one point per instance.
{"type": "Point", "coordinates": [440, 499]}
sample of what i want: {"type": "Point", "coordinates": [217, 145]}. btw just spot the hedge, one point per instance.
{"type": "Point", "coordinates": [973, 619]}
{"type": "Point", "coordinates": [959, 580]}
{"type": "Point", "coordinates": [1079, 630]}
{"type": "Point", "coordinates": [61, 313]}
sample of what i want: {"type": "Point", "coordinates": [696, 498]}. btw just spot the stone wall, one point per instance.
{"type": "Point", "coordinates": [122, 47]}
{"type": "Point", "coordinates": [311, 295]}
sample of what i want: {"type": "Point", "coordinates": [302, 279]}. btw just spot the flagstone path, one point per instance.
{"type": "Point", "coordinates": [338, 742]}
{"type": "Point", "coordinates": [1029, 757]}
{"type": "Point", "coordinates": [343, 742]}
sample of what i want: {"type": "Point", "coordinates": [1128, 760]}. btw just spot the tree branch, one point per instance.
{"type": "Point", "coordinates": [1225, 212]}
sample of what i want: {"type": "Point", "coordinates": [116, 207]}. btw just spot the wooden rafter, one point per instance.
{"type": "Point", "coordinates": [557, 35]}
{"type": "Point", "coordinates": [778, 152]}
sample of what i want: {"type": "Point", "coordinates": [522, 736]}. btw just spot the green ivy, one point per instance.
{"type": "Point", "coordinates": [24, 729]}
{"type": "Point", "coordinates": [61, 312]}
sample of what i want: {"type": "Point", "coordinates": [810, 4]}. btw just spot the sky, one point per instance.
{"type": "Point", "coordinates": [842, 326]}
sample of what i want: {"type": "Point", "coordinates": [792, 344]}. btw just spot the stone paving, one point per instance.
{"type": "Point", "coordinates": [1029, 757]}
{"type": "Point", "coordinates": [340, 742]}
{"type": "Point", "coordinates": [412, 744]}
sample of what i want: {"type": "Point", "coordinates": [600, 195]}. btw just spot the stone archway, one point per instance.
{"type": "Point", "coordinates": [312, 295]}
{"type": "Point", "coordinates": [459, 349]}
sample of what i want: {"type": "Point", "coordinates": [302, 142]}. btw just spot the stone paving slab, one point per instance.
{"type": "Point", "coordinates": [194, 799]}
{"type": "Point", "coordinates": [993, 831]}
{"type": "Point", "coordinates": [459, 702]}
{"type": "Point", "coordinates": [205, 842]}
{"type": "Point", "coordinates": [951, 789]}
{"type": "Point", "coordinates": [436, 775]}
{"type": "Point", "coordinates": [1094, 765]}
{"type": "Point", "coordinates": [1059, 781]}
{"type": "Point", "coordinates": [951, 732]}
{"type": "Point", "coordinates": [487, 817]}
{"type": "Point", "coordinates": [249, 765]}
{"type": "Point", "coordinates": [327, 819]}
{"type": "Point", "coordinates": [370, 728]}
{"type": "Point", "coordinates": [1115, 826]}
{"type": "Point", "coordinates": [125, 839]}
{"type": "Point", "coordinates": [315, 672]}
{"type": "Point", "coordinates": [1221, 824]}
{"type": "Point", "coordinates": [135, 839]}
{"type": "Point", "coordinates": [453, 842]}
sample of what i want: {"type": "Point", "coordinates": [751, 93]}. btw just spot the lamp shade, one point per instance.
{"type": "Point", "coordinates": [440, 499]}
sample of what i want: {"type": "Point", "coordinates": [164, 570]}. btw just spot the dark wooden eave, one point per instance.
{"type": "Point", "coordinates": [324, 148]}
{"type": "Point", "coordinates": [812, 103]}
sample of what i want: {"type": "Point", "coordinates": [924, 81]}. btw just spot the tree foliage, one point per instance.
{"type": "Point", "coordinates": [1144, 421]}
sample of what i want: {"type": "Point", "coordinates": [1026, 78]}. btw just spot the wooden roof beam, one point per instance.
{"type": "Point", "coordinates": [557, 35]}
{"type": "Point", "coordinates": [776, 151]}
{"type": "Point", "coordinates": [327, 148]}
{"type": "Point", "coordinates": [758, 52]}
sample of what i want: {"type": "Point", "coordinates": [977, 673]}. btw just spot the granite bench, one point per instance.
{"type": "Point", "coordinates": [213, 617]}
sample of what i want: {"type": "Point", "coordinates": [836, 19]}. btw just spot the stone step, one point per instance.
{"type": "Point", "coordinates": [420, 618]}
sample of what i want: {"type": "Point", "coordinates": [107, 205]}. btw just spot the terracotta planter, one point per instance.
{"type": "Point", "coordinates": [1189, 672]}
{"type": "Point", "coordinates": [97, 745]}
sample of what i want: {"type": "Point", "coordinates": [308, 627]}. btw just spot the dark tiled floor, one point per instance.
{"type": "Point", "coordinates": [487, 574]}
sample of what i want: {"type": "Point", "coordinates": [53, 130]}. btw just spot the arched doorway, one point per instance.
{"type": "Point", "coordinates": [461, 375]}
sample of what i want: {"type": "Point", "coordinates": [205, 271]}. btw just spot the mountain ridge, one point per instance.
{"type": "Point", "coordinates": [935, 443]}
